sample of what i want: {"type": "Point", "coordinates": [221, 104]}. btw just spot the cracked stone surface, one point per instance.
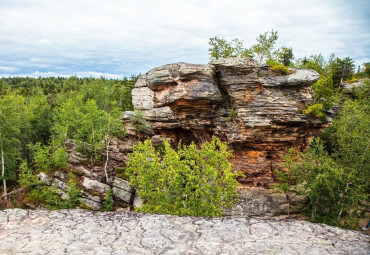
{"type": "Point", "coordinates": [85, 232]}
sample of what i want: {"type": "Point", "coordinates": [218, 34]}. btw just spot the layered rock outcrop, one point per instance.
{"type": "Point", "coordinates": [258, 112]}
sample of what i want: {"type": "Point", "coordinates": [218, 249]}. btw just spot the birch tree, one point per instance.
{"type": "Point", "coordinates": [12, 115]}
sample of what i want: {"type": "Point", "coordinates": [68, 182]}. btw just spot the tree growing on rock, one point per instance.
{"type": "Point", "coordinates": [262, 51]}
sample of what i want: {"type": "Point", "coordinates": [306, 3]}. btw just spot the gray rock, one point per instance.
{"type": "Point", "coordinates": [60, 184]}
{"type": "Point", "coordinates": [261, 202]}
{"type": "Point", "coordinates": [89, 196]}
{"type": "Point", "coordinates": [300, 77]}
{"type": "Point", "coordinates": [351, 87]}
{"type": "Point", "coordinates": [76, 157]}
{"type": "Point", "coordinates": [138, 202]}
{"type": "Point", "coordinates": [122, 184]}
{"type": "Point", "coordinates": [142, 98]}
{"type": "Point", "coordinates": [123, 195]}
{"type": "Point", "coordinates": [45, 178]}
{"type": "Point", "coordinates": [86, 232]}
{"type": "Point", "coordinates": [94, 185]}
{"type": "Point", "coordinates": [95, 206]}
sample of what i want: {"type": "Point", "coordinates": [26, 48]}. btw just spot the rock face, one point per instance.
{"type": "Point", "coordinates": [349, 88]}
{"type": "Point", "coordinates": [93, 191]}
{"type": "Point", "coordinates": [256, 111]}
{"type": "Point", "coordinates": [85, 232]}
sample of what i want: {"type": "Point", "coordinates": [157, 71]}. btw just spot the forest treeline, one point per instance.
{"type": "Point", "coordinates": [39, 115]}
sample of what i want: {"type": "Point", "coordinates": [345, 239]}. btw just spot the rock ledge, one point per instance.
{"type": "Point", "coordinates": [86, 232]}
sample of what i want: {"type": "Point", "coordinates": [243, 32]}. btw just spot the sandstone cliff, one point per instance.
{"type": "Point", "coordinates": [258, 112]}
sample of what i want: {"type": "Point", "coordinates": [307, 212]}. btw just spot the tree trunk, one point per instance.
{"type": "Point", "coordinates": [3, 171]}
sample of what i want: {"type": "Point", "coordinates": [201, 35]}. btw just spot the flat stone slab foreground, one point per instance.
{"type": "Point", "coordinates": [85, 232]}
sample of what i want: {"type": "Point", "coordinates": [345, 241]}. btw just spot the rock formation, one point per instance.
{"type": "Point", "coordinates": [258, 112]}
{"type": "Point", "coordinates": [84, 232]}
{"type": "Point", "coordinates": [255, 110]}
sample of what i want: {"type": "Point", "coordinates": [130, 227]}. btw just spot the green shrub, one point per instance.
{"type": "Point", "coordinates": [232, 113]}
{"type": "Point", "coordinates": [277, 67]}
{"type": "Point", "coordinates": [60, 158]}
{"type": "Point", "coordinates": [27, 177]}
{"type": "Point", "coordinates": [45, 159]}
{"type": "Point", "coordinates": [73, 192]}
{"type": "Point", "coordinates": [46, 196]}
{"type": "Point", "coordinates": [189, 181]}
{"type": "Point", "coordinates": [290, 177]}
{"type": "Point", "coordinates": [141, 124]}
{"type": "Point", "coordinates": [315, 110]}
{"type": "Point", "coordinates": [50, 196]}
{"type": "Point", "coordinates": [108, 201]}
{"type": "Point", "coordinates": [41, 157]}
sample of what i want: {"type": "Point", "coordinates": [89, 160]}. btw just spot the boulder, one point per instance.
{"type": "Point", "coordinates": [122, 184]}
{"type": "Point", "coordinates": [95, 185]}
{"type": "Point", "coordinates": [262, 202]}
{"type": "Point", "coordinates": [95, 206]}
{"type": "Point", "coordinates": [45, 178]}
{"type": "Point", "coordinates": [123, 195]}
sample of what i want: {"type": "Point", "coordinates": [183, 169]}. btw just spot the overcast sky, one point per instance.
{"type": "Point", "coordinates": [116, 38]}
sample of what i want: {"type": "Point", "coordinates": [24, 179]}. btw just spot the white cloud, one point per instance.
{"type": "Point", "coordinates": [125, 37]}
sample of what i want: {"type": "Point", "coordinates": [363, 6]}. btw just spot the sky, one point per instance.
{"type": "Point", "coordinates": [117, 38]}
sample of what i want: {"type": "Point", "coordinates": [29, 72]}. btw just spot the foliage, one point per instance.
{"type": "Point", "coordinates": [277, 67]}
{"type": "Point", "coordinates": [290, 177]}
{"type": "Point", "coordinates": [60, 158]}
{"type": "Point", "coordinates": [285, 55]}
{"type": "Point", "coordinates": [263, 50]}
{"type": "Point", "coordinates": [108, 201]}
{"type": "Point", "coordinates": [220, 48]}
{"type": "Point", "coordinates": [38, 116]}
{"type": "Point", "coordinates": [13, 116]}
{"type": "Point", "coordinates": [333, 173]}
{"type": "Point", "coordinates": [141, 124]}
{"type": "Point", "coordinates": [27, 177]}
{"type": "Point", "coordinates": [332, 73]}
{"type": "Point", "coordinates": [47, 196]}
{"type": "Point", "coordinates": [232, 113]}
{"type": "Point", "coordinates": [50, 196]}
{"type": "Point", "coordinates": [188, 181]}
{"type": "Point", "coordinates": [73, 192]}
{"type": "Point", "coordinates": [46, 158]}
{"type": "Point", "coordinates": [315, 110]}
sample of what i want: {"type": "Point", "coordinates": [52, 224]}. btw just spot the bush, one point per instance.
{"type": "Point", "coordinates": [277, 67]}
{"type": "Point", "coordinates": [315, 110]}
{"type": "Point", "coordinates": [44, 159]}
{"type": "Point", "coordinates": [334, 176]}
{"type": "Point", "coordinates": [27, 178]}
{"type": "Point", "coordinates": [108, 201]}
{"type": "Point", "coordinates": [60, 158]}
{"type": "Point", "coordinates": [189, 181]}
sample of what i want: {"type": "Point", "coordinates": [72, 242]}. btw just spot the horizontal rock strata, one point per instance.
{"type": "Point", "coordinates": [85, 232]}
{"type": "Point", "coordinates": [258, 112]}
